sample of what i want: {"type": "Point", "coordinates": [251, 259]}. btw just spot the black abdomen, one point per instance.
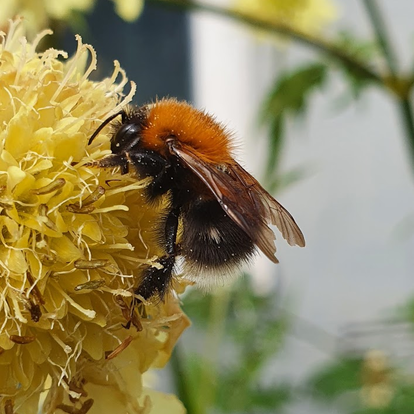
{"type": "Point", "coordinates": [211, 241]}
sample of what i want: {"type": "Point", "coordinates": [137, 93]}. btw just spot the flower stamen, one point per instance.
{"type": "Point", "coordinates": [22, 340]}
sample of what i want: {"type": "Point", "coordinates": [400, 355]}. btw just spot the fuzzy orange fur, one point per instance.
{"type": "Point", "coordinates": [194, 129]}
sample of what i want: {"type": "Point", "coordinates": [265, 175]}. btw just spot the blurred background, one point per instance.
{"type": "Point", "coordinates": [318, 94]}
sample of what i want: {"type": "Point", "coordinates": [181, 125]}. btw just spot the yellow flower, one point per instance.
{"type": "Point", "coordinates": [73, 242]}
{"type": "Point", "coordinates": [308, 16]}
{"type": "Point", "coordinates": [377, 386]}
{"type": "Point", "coordinates": [38, 13]}
{"type": "Point", "coordinates": [128, 10]}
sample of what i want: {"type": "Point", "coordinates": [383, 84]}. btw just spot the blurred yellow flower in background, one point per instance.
{"type": "Point", "coordinates": [377, 389]}
{"type": "Point", "coordinates": [307, 16]}
{"type": "Point", "coordinates": [73, 240]}
{"type": "Point", "coordinates": [39, 13]}
{"type": "Point", "coordinates": [128, 10]}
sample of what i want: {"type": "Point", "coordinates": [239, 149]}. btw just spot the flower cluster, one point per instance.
{"type": "Point", "coordinates": [74, 239]}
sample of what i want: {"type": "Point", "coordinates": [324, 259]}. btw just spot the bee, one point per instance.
{"type": "Point", "coordinates": [222, 211]}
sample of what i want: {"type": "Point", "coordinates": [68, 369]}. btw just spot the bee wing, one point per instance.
{"type": "Point", "coordinates": [245, 201]}
{"type": "Point", "coordinates": [269, 208]}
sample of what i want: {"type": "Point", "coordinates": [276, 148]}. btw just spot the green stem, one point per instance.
{"type": "Point", "coordinates": [406, 111]}
{"type": "Point", "coordinates": [381, 33]}
{"type": "Point", "coordinates": [182, 381]}
{"type": "Point", "coordinates": [214, 336]}
{"type": "Point", "coordinates": [403, 99]}
{"type": "Point", "coordinates": [316, 43]}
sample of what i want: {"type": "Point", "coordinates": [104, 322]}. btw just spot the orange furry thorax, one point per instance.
{"type": "Point", "coordinates": [193, 129]}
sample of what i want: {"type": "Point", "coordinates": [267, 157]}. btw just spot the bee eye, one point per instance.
{"type": "Point", "coordinates": [127, 137]}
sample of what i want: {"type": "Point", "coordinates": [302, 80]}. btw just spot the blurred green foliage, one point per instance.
{"type": "Point", "coordinates": [289, 96]}
{"type": "Point", "coordinates": [238, 333]}
{"type": "Point", "coordinates": [333, 380]}
{"type": "Point", "coordinates": [363, 50]}
{"type": "Point", "coordinates": [358, 387]}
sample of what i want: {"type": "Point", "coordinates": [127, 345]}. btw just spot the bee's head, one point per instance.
{"type": "Point", "coordinates": [127, 132]}
{"type": "Point", "coordinates": [126, 137]}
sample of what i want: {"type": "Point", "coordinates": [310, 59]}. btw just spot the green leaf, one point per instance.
{"type": "Point", "coordinates": [292, 90]}
{"type": "Point", "coordinates": [363, 51]}
{"type": "Point", "coordinates": [275, 144]}
{"type": "Point", "coordinates": [335, 379]}
{"type": "Point", "coordinates": [271, 399]}
{"type": "Point", "coordinates": [289, 96]}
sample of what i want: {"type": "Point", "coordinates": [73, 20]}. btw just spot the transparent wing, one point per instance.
{"type": "Point", "coordinates": [245, 201]}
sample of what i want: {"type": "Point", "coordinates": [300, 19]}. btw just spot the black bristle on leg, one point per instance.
{"type": "Point", "coordinates": [115, 161]}
{"type": "Point", "coordinates": [156, 282]}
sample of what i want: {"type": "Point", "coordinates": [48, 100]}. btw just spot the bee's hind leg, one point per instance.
{"type": "Point", "coordinates": [156, 280]}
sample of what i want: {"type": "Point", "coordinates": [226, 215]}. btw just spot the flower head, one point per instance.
{"type": "Point", "coordinates": [73, 242]}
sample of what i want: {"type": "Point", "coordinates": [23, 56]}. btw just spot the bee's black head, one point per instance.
{"type": "Point", "coordinates": [126, 135]}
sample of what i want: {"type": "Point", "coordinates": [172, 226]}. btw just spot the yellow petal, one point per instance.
{"type": "Point", "coordinates": [163, 403]}
{"type": "Point", "coordinates": [65, 249]}
{"type": "Point", "coordinates": [14, 176]}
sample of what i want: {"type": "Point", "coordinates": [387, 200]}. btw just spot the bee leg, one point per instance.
{"type": "Point", "coordinates": [156, 281]}
{"type": "Point", "coordinates": [114, 161]}
{"type": "Point", "coordinates": [147, 163]}
{"type": "Point", "coordinates": [150, 164]}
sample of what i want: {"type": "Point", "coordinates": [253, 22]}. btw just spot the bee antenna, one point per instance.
{"type": "Point", "coordinates": [104, 124]}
